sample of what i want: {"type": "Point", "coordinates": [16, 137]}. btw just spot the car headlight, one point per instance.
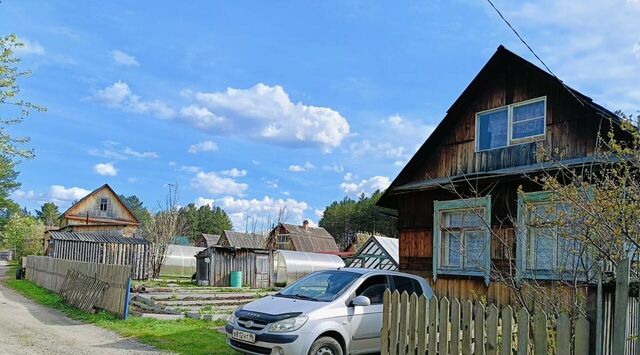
{"type": "Point", "coordinates": [288, 325]}
{"type": "Point", "coordinates": [232, 318]}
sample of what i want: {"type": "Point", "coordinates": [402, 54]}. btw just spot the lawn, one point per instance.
{"type": "Point", "coordinates": [184, 336]}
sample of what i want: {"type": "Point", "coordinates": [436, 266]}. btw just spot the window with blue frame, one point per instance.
{"type": "Point", "coordinates": [548, 244]}
{"type": "Point", "coordinates": [517, 123]}
{"type": "Point", "coordinates": [462, 237]}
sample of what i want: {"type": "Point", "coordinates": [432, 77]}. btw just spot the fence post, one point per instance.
{"type": "Point", "coordinates": [455, 326]}
{"type": "Point", "coordinates": [433, 325]}
{"type": "Point", "coordinates": [126, 300]}
{"type": "Point", "coordinates": [404, 307]}
{"type": "Point", "coordinates": [413, 313]}
{"type": "Point", "coordinates": [478, 326]}
{"type": "Point", "coordinates": [443, 342]}
{"type": "Point", "coordinates": [492, 330]}
{"type": "Point", "coordinates": [393, 326]}
{"type": "Point", "coordinates": [563, 335]}
{"type": "Point", "coordinates": [540, 333]}
{"type": "Point", "coordinates": [423, 320]}
{"type": "Point", "coordinates": [581, 343]}
{"type": "Point", "coordinates": [467, 308]}
{"type": "Point", "coordinates": [621, 306]}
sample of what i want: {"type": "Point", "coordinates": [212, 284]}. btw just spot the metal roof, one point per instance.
{"type": "Point", "coordinates": [109, 238]}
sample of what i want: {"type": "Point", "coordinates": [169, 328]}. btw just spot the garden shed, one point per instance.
{"type": "Point", "coordinates": [292, 265]}
{"type": "Point", "coordinates": [103, 248]}
{"type": "Point", "coordinates": [215, 264]}
{"type": "Point", "coordinates": [377, 253]}
{"type": "Point", "coordinates": [180, 260]}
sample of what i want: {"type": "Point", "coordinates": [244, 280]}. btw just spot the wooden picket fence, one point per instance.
{"type": "Point", "coordinates": [51, 273]}
{"type": "Point", "coordinates": [417, 325]}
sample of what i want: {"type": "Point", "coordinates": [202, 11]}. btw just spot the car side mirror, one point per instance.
{"type": "Point", "coordinates": [361, 301]}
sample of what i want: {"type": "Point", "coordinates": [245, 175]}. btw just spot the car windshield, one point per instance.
{"type": "Point", "coordinates": [322, 286]}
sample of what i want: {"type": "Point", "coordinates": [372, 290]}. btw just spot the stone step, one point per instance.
{"type": "Point", "coordinates": [214, 303]}
{"type": "Point", "coordinates": [217, 309]}
{"type": "Point", "coordinates": [198, 297]}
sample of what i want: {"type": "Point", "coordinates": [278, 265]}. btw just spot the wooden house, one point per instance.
{"type": "Point", "coordinates": [471, 180]}
{"type": "Point", "coordinates": [101, 210]}
{"type": "Point", "coordinates": [301, 238]}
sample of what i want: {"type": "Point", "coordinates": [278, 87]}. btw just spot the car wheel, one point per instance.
{"type": "Point", "coordinates": [325, 346]}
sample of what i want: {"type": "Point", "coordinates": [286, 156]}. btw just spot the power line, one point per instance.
{"type": "Point", "coordinates": [533, 52]}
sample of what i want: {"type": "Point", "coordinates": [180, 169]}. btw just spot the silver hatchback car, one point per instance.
{"type": "Point", "coordinates": [330, 312]}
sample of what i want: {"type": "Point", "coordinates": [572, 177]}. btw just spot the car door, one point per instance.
{"type": "Point", "coordinates": [366, 321]}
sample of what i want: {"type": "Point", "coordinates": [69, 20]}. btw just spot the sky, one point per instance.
{"type": "Point", "coordinates": [256, 105]}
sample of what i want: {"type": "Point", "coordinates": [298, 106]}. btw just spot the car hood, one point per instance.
{"type": "Point", "coordinates": [280, 305]}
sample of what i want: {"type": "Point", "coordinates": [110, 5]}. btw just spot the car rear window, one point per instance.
{"type": "Point", "coordinates": [410, 285]}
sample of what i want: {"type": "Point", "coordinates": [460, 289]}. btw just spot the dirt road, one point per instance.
{"type": "Point", "coordinates": [29, 328]}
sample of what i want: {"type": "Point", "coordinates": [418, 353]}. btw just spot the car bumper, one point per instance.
{"type": "Point", "coordinates": [267, 343]}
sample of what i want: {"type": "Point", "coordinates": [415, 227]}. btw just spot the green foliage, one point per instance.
{"type": "Point", "coordinates": [49, 214]}
{"type": "Point", "coordinates": [184, 336]}
{"type": "Point", "coordinates": [136, 206]}
{"type": "Point", "coordinates": [205, 220]}
{"type": "Point", "coordinates": [23, 234]}
{"type": "Point", "coordinates": [342, 219]}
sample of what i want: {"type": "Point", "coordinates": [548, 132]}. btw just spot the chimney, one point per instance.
{"type": "Point", "coordinates": [305, 224]}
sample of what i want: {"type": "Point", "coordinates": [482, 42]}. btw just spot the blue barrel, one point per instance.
{"type": "Point", "coordinates": [236, 279]}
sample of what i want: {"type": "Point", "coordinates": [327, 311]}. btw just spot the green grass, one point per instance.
{"type": "Point", "coordinates": [184, 336]}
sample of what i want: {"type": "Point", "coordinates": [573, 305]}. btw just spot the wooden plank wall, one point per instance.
{"type": "Point", "coordinates": [224, 261]}
{"type": "Point", "coordinates": [138, 256]}
{"type": "Point", "coordinates": [50, 273]}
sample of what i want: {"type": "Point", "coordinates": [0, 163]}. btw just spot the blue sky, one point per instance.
{"type": "Point", "coordinates": [256, 105]}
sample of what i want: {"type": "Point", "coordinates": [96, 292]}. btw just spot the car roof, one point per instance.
{"type": "Point", "coordinates": [364, 271]}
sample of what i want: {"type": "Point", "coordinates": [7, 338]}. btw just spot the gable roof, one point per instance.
{"type": "Point", "coordinates": [244, 240]}
{"type": "Point", "coordinates": [67, 213]}
{"type": "Point", "coordinates": [210, 239]}
{"type": "Point", "coordinates": [311, 239]}
{"type": "Point", "coordinates": [378, 253]}
{"type": "Point", "coordinates": [95, 237]}
{"type": "Point", "coordinates": [500, 57]}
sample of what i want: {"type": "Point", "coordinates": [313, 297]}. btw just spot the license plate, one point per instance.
{"type": "Point", "coordinates": [243, 336]}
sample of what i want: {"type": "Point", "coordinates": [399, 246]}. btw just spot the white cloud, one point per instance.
{"type": "Point", "coordinates": [319, 213]}
{"type": "Point", "coordinates": [123, 58]}
{"type": "Point", "coordinates": [336, 168]}
{"type": "Point", "coordinates": [590, 51]}
{"type": "Point", "coordinates": [366, 186]}
{"type": "Point", "coordinates": [272, 184]}
{"type": "Point", "coordinates": [301, 168]}
{"type": "Point", "coordinates": [60, 193]}
{"type": "Point", "coordinates": [191, 169]}
{"type": "Point", "coordinates": [234, 172]}
{"type": "Point", "coordinates": [133, 180]}
{"type": "Point", "coordinates": [112, 150]}
{"type": "Point", "coordinates": [119, 95]}
{"type": "Point", "coordinates": [105, 169]}
{"type": "Point", "coordinates": [205, 146]}
{"type": "Point", "coordinates": [348, 176]}
{"type": "Point", "coordinates": [213, 183]}
{"type": "Point", "coordinates": [268, 114]}
{"type": "Point", "coordinates": [29, 47]}
{"type": "Point", "coordinates": [262, 211]}
{"type": "Point", "coordinates": [24, 195]}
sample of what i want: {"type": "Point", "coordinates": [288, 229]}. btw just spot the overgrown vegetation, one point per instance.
{"type": "Point", "coordinates": [184, 336]}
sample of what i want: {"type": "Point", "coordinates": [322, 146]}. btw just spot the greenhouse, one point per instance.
{"type": "Point", "coordinates": [292, 265]}
{"type": "Point", "coordinates": [377, 253]}
{"type": "Point", "coordinates": [180, 260]}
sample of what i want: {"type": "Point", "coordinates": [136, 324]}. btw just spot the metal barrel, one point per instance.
{"type": "Point", "coordinates": [236, 278]}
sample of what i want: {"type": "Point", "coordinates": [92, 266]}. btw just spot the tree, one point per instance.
{"type": "Point", "coordinates": [161, 227]}
{"type": "Point", "coordinates": [136, 206]}
{"type": "Point", "coordinates": [342, 219]}
{"type": "Point", "coordinates": [49, 214]}
{"type": "Point", "coordinates": [13, 112]}
{"type": "Point", "coordinates": [205, 220]}
{"type": "Point", "coordinates": [23, 234]}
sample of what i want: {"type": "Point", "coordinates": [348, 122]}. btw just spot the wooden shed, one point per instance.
{"type": "Point", "coordinates": [241, 240]}
{"type": "Point", "coordinates": [206, 240]}
{"type": "Point", "coordinates": [102, 248]}
{"type": "Point", "coordinates": [215, 264]}
{"type": "Point", "coordinates": [301, 238]}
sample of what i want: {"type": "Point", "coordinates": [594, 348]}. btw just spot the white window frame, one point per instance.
{"type": "Point", "coordinates": [510, 140]}
{"type": "Point", "coordinates": [441, 207]}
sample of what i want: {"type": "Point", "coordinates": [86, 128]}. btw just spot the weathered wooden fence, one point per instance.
{"type": "Point", "coordinates": [417, 325]}
{"type": "Point", "coordinates": [50, 273]}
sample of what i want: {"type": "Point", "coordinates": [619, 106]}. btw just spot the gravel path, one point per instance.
{"type": "Point", "coordinates": [29, 328]}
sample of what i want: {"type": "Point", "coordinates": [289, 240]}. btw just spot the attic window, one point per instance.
{"type": "Point", "coordinates": [513, 124]}
{"type": "Point", "coordinates": [103, 204]}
